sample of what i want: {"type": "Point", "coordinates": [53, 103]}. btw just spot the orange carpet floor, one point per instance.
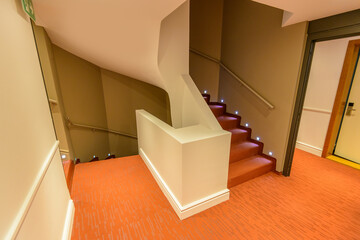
{"type": "Point", "coordinates": [119, 199]}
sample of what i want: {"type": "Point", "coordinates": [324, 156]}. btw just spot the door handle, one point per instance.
{"type": "Point", "coordinates": [350, 108]}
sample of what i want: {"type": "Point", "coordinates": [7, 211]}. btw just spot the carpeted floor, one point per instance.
{"type": "Point", "coordinates": [119, 199]}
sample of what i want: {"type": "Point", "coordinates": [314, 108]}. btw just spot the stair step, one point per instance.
{"type": "Point", "coordinates": [246, 158]}
{"type": "Point", "coordinates": [238, 135]}
{"type": "Point", "coordinates": [217, 110]}
{"type": "Point", "coordinates": [228, 122]}
{"type": "Point", "coordinates": [206, 97]}
{"type": "Point", "coordinates": [242, 150]}
{"type": "Point", "coordinates": [248, 168]}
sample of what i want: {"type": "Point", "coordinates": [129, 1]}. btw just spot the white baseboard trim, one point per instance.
{"type": "Point", "coordinates": [69, 220]}
{"type": "Point", "coordinates": [309, 148]}
{"type": "Point", "coordinates": [18, 221]}
{"type": "Point", "coordinates": [189, 209]}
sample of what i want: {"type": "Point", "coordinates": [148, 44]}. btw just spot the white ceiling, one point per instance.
{"type": "Point", "coordinates": [118, 35]}
{"type": "Point", "coordinates": [123, 35]}
{"type": "Point", "coordinates": [307, 10]}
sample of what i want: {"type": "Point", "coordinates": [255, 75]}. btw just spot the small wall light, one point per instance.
{"type": "Point", "coordinates": [270, 153]}
{"type": "Point", "coordinates": [258, 138]}
{"type": "Point", "coordinates": [222, 100]}
{"type": "Point", "coordinates": [246, 124]}
{"type": "Point", "coordinates": [63, 156]}
{"type": "Point", "coordinates": [236, 112]}
{"type": "Point", "coordinates": [109, 154]}
{"type": "Point", "coordinates": [205, 91]}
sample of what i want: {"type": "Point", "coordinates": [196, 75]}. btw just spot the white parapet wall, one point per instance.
{"type": "Point", "coordinates": [190, 164]}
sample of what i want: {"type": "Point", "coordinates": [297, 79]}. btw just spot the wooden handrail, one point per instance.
{"type": "Point", "coordinates": [70, 123]}
{"type": "Point", "coordinates": [270, 106]}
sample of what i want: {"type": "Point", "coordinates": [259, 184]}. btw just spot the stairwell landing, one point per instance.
{"type": "Point", "coordinates": [247, 159]}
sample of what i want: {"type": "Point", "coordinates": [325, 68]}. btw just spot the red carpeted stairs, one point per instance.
{"type": "Point", "coordinates": [246, 158]}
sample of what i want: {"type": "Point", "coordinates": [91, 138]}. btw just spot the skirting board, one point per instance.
{"type": "Point", "coordinates": [308, 148]}
{"type": "Point", "coordinates": [189, 209]}
{"type": "Point", "coordinates": [69, 220]}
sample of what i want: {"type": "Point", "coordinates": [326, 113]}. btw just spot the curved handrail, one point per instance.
{"type": "Point", "coordinates": [70, 123]}
{"type": "Point", "coordinates": [234, 76]}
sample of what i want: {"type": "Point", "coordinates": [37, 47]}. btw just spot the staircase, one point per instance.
{"type": "Point", "coordinates": [247, 159]}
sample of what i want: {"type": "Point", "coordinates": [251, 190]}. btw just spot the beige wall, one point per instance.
{"type": "Point", "coordinates": [30, 168]}
{"type": "Point", "coordinates": [51, 80]}
{"type": "Point", "coordinates": [205, 36]}
{"type": "Point", "coordinates": [123, 95]}
{"type": "Point", "coordinates": [100, 98]}
{"type": "Point", "coordinates": [268, 58]}
{"type": "Point", "coordinates": [83, 96]}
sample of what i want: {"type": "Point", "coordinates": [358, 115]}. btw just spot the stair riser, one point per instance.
{"type": "Point", "coordinates": [261, 145]}
{"type": "Point", "coordinates": [217, 111]}
{"type": "Point", "coordinates": [230, 124]}
{"type": "Point", "coordinates": [239, 137]}
{"type": "Point", "coordinates": [206, 97]}
{"type": "Point", "coordinates": [250, 175]}
{"type": "Point", "coordinates": [238, 154]}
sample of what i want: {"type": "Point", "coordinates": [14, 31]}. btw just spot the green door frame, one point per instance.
{"type": "Point", "coordinates": [334, 27]}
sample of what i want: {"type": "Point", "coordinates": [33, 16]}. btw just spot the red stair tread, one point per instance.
{"type": "Point", "coordinates": [243, 150]}
{"type": "Point", "coordinates": [248, 168]}
{"type": "Point", "coordinates": [247, 165]}
{"type": "Point", "coordinates": [228, 122]}
{"type": "Point", "coordinates": [217, 110]}
{"type": "Point", "coordinates": [238, 134]}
